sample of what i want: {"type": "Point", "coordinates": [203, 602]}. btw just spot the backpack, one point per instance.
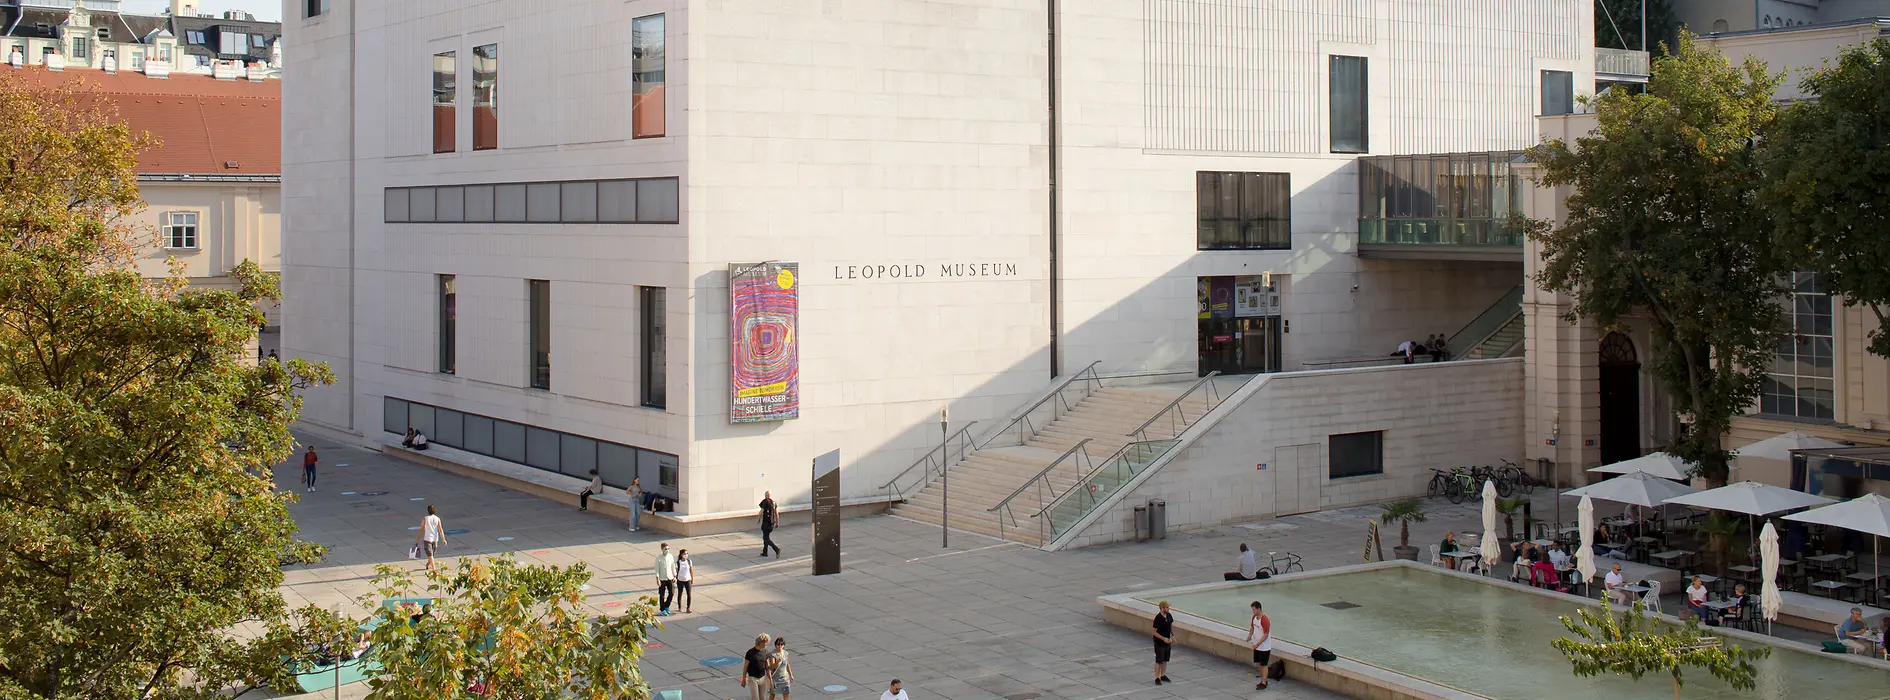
{"type": "Point", "coordinates": [1324, 655]}
{"type": "Point", "coordinates": [1276, 670]}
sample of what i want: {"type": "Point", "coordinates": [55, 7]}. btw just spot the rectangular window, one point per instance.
{"type": "Point", "coordinates": [655, 349]}
{"type": "Point", "coordinates": [316, 8]}
{"type": "Point", "coordinates": [81, 50]}
{"type": "Point", "coordinates": [1348, 94]}
{"type": "Point", "coordinates": [1244, 211]}
{"type": "Point", "coordinates": [1558, 92]}
{"type": "Point", "coordinates": [256, 40]}
{"type": "Point", "coordinates": [445, 116]}
{"type": "Point", "coordinates": [194, 37]}
{"type": "Point", "coordinates": [646, 201]}
{"type": "Point", "coordinates": [180, 230]}
{"type": "Point", "coordinates": [1803, 380]}
{"type": "Point", "coordinates": [539, 293]}
{"type": "Point", "coordinates": [486, 97]}
{"type": "Point", "coordinates": [1357, 454]}
{"type": "Point", "coordinates": [550, 450]}
{"type": "Point", "coordinates": [449, 312]}
{"type": "Point", "coordinates": [233, 43]}
{"type": "Point", "coordinates": [647, 66]}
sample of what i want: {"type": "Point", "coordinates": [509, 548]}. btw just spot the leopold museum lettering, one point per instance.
{"type": "Point", "coordinates": [925, 271]}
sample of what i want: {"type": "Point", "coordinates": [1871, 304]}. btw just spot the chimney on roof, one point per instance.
{"type": "Point", "coordinates": [183, 8]}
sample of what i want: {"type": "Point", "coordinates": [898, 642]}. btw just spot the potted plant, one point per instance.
{"type": "Point", "coordinates": [1719, 530]}
{"type": "Point", "coordinates": [1403, 513]}
{"type": "Point", "coordinates": [1509, 507]}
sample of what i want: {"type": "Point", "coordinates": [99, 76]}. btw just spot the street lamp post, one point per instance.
{"type": "Point", "coordinates": [944, 476]}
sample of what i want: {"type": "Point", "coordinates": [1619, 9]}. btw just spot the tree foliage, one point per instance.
{"type": "Point", "coordinates": [139, 528]}
{"type": "Point", "coordinates": [1829, 162]}
{"type": "Point", "coordinates": [501, 630]}
{"type": "Point", "coordinates": [1665, 223]}
{"type": "Point", "coordinates": [1632, 644]}
{"type": "Point", "coordinates": [1405, 512]}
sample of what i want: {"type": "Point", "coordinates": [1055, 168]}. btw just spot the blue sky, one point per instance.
{"type": "Point", "coordinates": [267, 10]}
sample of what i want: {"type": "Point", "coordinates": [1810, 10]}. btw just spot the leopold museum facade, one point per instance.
{"type": "Point", "coordinates": [702, 242]}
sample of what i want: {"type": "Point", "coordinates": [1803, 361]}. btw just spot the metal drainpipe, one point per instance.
{"type": "Point", "coordinates": [1056, 270]}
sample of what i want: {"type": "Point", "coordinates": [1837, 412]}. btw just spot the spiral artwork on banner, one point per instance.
{"type": "Point", "coordinates": [765, 360]}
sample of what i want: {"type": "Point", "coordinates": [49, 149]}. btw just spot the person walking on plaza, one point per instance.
{"type": "Point", "coordinates": [596, 487]}
{"type": "Point", "coordinates": [894, 692]}
{"type": "Point", "coordinates": [635, 492]}
{"type": "Point", "coordinates": [780, 675]}
{"type": "Point", "coordinates": [1164, 642]}
{"type": "Point", "coordinates": [770, 517]}
{"type": "Point", "coordinates": [1260, 637]}
{"type": "Point", "coordinates": [685, 575]}
{"type": "Point", "coordinates": [432, 534]}
{"type": "Point", "coordinates": [308, 468]}
{"type": "Point", "coordinates": [755, 669]}
{"type": "Point", "coordinates": [665, 579]}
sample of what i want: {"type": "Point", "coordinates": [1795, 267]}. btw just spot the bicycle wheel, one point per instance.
{"type": "Point", "coordinates": [1524, 483]}
{"type": "Point", "coordinates": [1290, 568]}
{"type": "Point", "coordinates": [1505, 487]}
{"type": "Point", "coordinates": [1454, 491]}
{"type": "Point", "coordinates": [1437, 486]}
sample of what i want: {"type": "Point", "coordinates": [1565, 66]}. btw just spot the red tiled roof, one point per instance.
{"type": "Point", "coordinates": [201, 123]}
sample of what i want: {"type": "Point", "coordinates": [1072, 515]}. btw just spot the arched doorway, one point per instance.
{"type": "Point", "coordinates": [1620, 399]}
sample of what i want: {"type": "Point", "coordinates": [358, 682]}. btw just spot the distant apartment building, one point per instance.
{"type": "Point", "coordinates": [212, 183]}
{"type": "Point", "coordinates": [94, 34]}
{"type": "Point", "coordinates": [1710, 16]}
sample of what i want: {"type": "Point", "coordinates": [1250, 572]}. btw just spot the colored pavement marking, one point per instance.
{"type": "Point", "coordinates": [458, 531]}
{"type": "Point", "coordinates": [834, 688]}
{"type": "Point", "coordinates": [720, 661]}
{"type": "Point", "coordinates": [416, 527]}
{"type": "Point", "coordinates": [418, 498]}
{"type": "Point", "coordinates": [655, 645]}
{"type": "Point", "coordinates": [347, 493]}
{"type": "Point", "coordinates": [374, 493]}
{"type": "Point", "coordinates": [707, 628]}
{"type": "Point", "coordinates": [505, 539]}
{"type": "Point", "coordinates": [542, 551]}
{"type": "Point", "coordinates": [613, 605]}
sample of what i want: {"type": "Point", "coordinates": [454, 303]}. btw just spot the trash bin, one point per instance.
{"type": "Point", "coordinates": [1157, 519]}
{"type": "Point", "coordinates": [1141, 523]}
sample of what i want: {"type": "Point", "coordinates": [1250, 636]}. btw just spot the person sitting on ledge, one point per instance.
{"type": "Point", "coordinates": [415, 440]}
{"type": "Point", "coordinates": [1248, 568]}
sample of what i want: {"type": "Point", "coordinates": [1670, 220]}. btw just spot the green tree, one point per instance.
{"type": "Point", "coordinates": [1405, 512]}
{"type": "Point", "coordinates": [1665, 223]}
{"type": "Point", "coordinates": [1618, 24]}
{"type": "Point", "coordinates": [1829, 163]}
{"type": "Point", "coordinates": [498, 629]}
{"type": "Point", "coordinates": [1632, 644]}
{"type": "Point", "coordinates": [139, 529]}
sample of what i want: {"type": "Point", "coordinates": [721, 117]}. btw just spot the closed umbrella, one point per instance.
{"type": "Point", "coordinates": [1585, 557]}
{"type": "Point", "coordinates": [1769, 598]}
{"type": "Point", "coordinates": [1492, 547]}
{"type": "Point", "coordinates": [1659, 464]}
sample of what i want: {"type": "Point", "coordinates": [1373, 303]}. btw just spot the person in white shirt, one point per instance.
{"type": "Point", "coordinates": [894, 692]}
{"type": "Point", "coordinates": [1260, 637]}
{"type": "Point", "coordinates": [1613, 584]}
{"type": "Point", "coordinates": [1559, 558]}
{"type": "Point", "coordinates": [597, 486]}
{"type": "Point", "coordinates": [1245, 567]}
{"type": "Point", "coordinates": [685, 575]}
{"type": "Point", "coordinates": [1696, 600]}
{"type": "Point", "coordinates": [432, 534]}
{"type": "Point", "coordinates": [635, 493]}
{"type": "Point", "coordinates": [665, 579]}
{"type": "Point", "coordinates": [419, 440]}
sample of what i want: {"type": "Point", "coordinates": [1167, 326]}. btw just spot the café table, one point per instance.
{"type": "Point", "coordinates": [1830, 588]}
{"type": "Point", "coordinates": [1460, 557]}
{"type": "Point", "coordinates": [1637, 589]}
{"type": "Point", "coordinates": [1672, 558]}
{"type": "Point", "coordinates": [1827, 562]}
{"type": "Point", "coordinates": [1749, 574]}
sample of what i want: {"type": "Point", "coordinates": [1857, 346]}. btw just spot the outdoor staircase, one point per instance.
{"type": "Point", "coordinates": [1504, 343]}
{"type": "Point", "coordinates": [1100, 423]}
{"type": "Point", "coordinates": [1497, 332]}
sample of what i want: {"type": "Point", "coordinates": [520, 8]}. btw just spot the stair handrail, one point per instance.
{"type": "Point", "coordinates": [1040, 480]}
{"type": "Point", "coordinates": [1485, 325]}
{"type": "Point", "coordinates": [1042, 514]}
{"type": "Point", "coordinates": [926, 459]}
{"type": "Point", "coordinates": [1140, 433]}
{"type": "Point", "coordinates": [1055, 393]}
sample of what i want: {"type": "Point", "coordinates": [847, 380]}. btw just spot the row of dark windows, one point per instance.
{"type": "Point", "coordinates": [652, 304]}
{"type": "Point", "coordinates": [550, 450]}
{"type": "Point", "coordinates": [644, 201]}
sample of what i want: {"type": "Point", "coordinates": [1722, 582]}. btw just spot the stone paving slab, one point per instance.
{"type": "Point", "coordinates": [983, 620]}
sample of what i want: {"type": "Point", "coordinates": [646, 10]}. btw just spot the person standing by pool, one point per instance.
{"type": "Point", "coordinates": [1260, 637]}
{"type": "Point", "coordinates": [1164, 642]}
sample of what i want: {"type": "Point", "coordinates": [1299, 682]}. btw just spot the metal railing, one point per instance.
{"type": "Point", "coordinates": [1097, 486]}
{"type": "Point", "coordinates": [1487, 324]}
{"type": "Point", "coordinates": [1621, 62]}
{"type": "Point", "coordinates": [933, 463]}
{"type": "Point", "coordinates": [1177, 419]}
{"type": "Point", "coordinates": [1026, 428]}
{"type": "Point", "coordinates": [1042, 484]}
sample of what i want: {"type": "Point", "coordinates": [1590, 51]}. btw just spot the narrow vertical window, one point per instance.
{"type": "Point", "coordinates": [1348, 94]}
{"type": "Point", "coordinates": [1558, 92]}
{"type": "Point", "coordinates": [449, 312]}
{"type": "Point", "coordinates": [445, 117]}
{"type": "Point", "coordinates": [317, 7]}
{"type": "Point", "coordinates": [486, 97]}
{"type": "Point", "coordinates": [180, 230]}
{"type": "Point", "coordinates": [540, 332]}
{"type": "Point", "coordinates": [647, 66]}
{"type": "Point", "coordinates": [655, 354]}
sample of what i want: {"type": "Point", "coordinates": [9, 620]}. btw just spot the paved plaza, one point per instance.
{"type": "Point", "coordinates": [981, 620]}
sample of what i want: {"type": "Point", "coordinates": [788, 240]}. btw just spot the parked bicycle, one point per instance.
{"type": "Point", "coordinates": [1275, 567]}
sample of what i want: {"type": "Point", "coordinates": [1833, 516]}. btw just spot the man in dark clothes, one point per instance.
{"type": "Point", "coordinates": [1164, 642]}
{"type": "Point", "coordinates": [770, 517]}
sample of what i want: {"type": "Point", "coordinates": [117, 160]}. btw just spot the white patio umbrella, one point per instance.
{"type": "Point", "coordinates": [1751, 498]}
{"type": "Point", "coordinates": [1659, 464]}
{"type": "Point", "coordinates": [1492, 547]}
{"type": "Point", "coordinates": [1780, 446]}
{"type": "Point", "coordinates": [1869, 514]}
{"type": "Point", "coordinates": [1638, 488]}
{"type": "Point", "coordinates": [1769, 598]}
{"type": "Point", "coordinates": [1585, 557]}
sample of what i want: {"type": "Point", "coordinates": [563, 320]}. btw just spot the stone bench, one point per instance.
{"type": "Point", "coordinates": [1819, 614]}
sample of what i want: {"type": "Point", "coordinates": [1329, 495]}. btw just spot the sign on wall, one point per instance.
{"type": "Point", "coordinates": [764, 360]}
{"type": "Point", "coordinates": [1253, 298]}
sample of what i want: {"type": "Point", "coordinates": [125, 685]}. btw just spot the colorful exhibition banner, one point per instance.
{"type": "Point", "coordinates": [764, 360]}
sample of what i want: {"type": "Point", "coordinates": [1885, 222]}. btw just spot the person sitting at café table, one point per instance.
{"type": "Point", "coordinates": [1613, 584]}
{"type": "Point", "coordinates": [1526, 555]}
{"type": "Point", "coordinates": [1736, 603]}
{"type": "Point", "coordinates": [1605, 545]}
{"type": "Point", "coordinates": [1542, 573]}
{"type": "Point", "coordinates": [1853, 630]}
{"type": "Point", "coordinates": [1449, 544]}
{"type": "Point", "coordinates": [1558, 558]}
{"type": "Point", "coordinates": [1696, 601]}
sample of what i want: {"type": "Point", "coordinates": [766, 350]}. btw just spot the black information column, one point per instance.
{"type": "Point", "coordinates": [827, 514]}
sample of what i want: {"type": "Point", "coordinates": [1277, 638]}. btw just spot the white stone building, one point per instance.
{"type": "Point", "coordinates": [503, 235]}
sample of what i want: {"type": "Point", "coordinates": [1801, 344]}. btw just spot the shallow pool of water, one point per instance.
{"type": "Point", "coordinates": [1490, 640]}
